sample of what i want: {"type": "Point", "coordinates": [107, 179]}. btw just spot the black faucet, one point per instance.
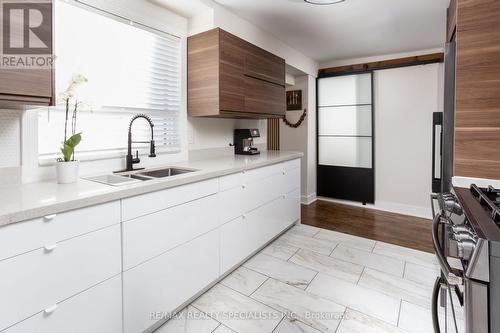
{"type": "Point", "coordinates": [134, 160]}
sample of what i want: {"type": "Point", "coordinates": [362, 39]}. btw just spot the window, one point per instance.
{"type": "Point", "coordinates": [130, 69]}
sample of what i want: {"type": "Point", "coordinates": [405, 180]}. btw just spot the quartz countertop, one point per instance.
{"type": "Point", "coordinates": [28, 201]}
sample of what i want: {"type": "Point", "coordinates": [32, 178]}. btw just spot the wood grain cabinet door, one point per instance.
{"type": "Point", "coordinates": [26, 82]}
{"type": "Point", "coordinates": [20, 84]}
{"type": "Point", "coordinates": [262, 97]}
{"type": "Point", "coordinates": [263, 65]}
{"type": "Point", "coordinates": [232, 83]}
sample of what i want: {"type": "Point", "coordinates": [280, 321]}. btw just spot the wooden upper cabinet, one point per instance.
{"type": "Point", "coordinates": [231, 78]}
{"type": "Point", "coordinates": [264, 65]}
{"type": "Point", "coordinates": [27, 85]}
{"type": "Point", "coordinates": [477, 100]}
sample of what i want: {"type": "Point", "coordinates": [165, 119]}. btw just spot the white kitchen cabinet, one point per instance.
{"type": "Point", "coordinates": [151, 235]}
{"type": "Point", "coordinates": [166, 282]}
{"type": "Point", "coordinates": [96, 310]}
{"type": "Point", "coordinates": [155, 201]}
{"type": "Point", "coordinates": [84, 271]}
{"type": "Point", "coordinates": [34, 234]}
{"type": "Point", "coordinates": [246, 234]}
{"type": "Point", "coordinates": [42, 278]}
{"type": "Point", "coordinates": [271, 204]}
{"type": "Point", "coordinates": [232, 203]}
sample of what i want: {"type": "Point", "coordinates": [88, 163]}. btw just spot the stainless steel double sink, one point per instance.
{"type": "Point", "coordinates": [130, 177]}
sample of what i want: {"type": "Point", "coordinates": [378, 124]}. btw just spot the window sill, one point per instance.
{"type": "Point", "coordinates": [51, 159]}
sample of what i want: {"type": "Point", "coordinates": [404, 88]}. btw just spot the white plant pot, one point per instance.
{"type": "Point", "coordinates": [67, 172]}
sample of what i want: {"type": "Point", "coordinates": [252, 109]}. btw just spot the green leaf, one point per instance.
{"type": "Point", "coordinates": [67, 152]}
{"type": "Point", "coordinates": [69, 145]}
{"type": "Point", "coordinates": [74, 140]}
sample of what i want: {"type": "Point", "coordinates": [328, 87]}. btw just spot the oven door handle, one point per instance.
{"type": "Point", "coordinates": [438, 249]}
{"type": "Point", "coordinates": [435, 306]}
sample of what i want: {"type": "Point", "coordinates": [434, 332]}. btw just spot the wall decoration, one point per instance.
{"type": "Point", "coordinates": [298, 123]}
{"type": "Point", "coordinates": [294, 100]}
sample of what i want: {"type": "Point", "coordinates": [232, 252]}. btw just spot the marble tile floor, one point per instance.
{"type": "Point", "coordinates": [312, 280]}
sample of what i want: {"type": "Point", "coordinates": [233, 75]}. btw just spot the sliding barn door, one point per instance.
{"type": "Point", "coordinates": [346, 138]}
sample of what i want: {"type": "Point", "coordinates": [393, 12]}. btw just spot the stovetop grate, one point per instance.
{"type": "Point", "coordinates": [489, 198]}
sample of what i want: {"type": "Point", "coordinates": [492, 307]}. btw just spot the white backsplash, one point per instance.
{"type": "Point", "coordinates": [10, 138]}
{"type": "Point", "coordinates": [10, 146]}
{"type": "Point", "coordinates": [206, 133]}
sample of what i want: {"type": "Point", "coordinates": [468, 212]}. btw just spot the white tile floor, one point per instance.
{"type": "Point", "coordinates": [312, 280]}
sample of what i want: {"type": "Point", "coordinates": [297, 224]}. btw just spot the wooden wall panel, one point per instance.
{"type": "Point", "coordinates": [477, 119]}
{"type": "Point", "coordinates": [273, 134]}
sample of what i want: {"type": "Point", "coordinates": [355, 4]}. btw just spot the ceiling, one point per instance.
{"type": "Point", "coordinates": [351, 29]}
{"type": "Point", "coordinates": [182, 7]}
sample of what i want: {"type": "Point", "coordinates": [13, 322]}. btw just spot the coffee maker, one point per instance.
{"type": "Point", "coordinates": [243, 141]}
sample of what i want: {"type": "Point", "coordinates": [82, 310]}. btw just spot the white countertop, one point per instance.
{"type": "Point", "coordinates": [28, 201]}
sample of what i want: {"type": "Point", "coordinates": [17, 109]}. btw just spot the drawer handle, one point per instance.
{"type": "Point", "coordinates": [243, 186]}
{"type": "Point", "coordinates": [50, 248]}
{"type": "Point", "coordinates": [48, 218]}
{"type": "Point", "coordinates": [51, 309]}
{"type": "Point", "coordinates": [284, 173]}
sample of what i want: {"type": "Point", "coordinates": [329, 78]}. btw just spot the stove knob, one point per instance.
{"type": "Point", "coordinates": [463, 235]}
{"type": "Point", "coordinates": [460, 228]}
{"type": "Point", "coordinates": [453, 207]}
{"type": "Point", "coordinates": [465, 249]}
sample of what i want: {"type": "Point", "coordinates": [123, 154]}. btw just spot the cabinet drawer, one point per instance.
{"type": "Point", "coordinates": [26, 236]}
{"type": "Point", "coordinates": [232, 203]}
{"type": "Point", "coordinates": [262, 173]}
{"type": "Point", "coordinates": [156, 201]}
{"type": "Point", "coordinates": [293, 164]}
{"type": "Point", "coordinates": [231, 181]}
{"type": "Point", "coordinates": [263, 191]}
{"type": "Point", "coordinates": [292, 207]}
{"type": "Point", "coordinates": [39, 279]}
{"type": "Point", "coordinates": [264, 97]}
{"type": "Point", "coordinates": [291, 180]}
{"type": "Point", "coordinates": [166, 282]}
{"type": "Point", "coordinates": [153, 234]}
{"type": "Point", "coordinates": [246, 234]}
{"type": "Point", "coordinates": [97, 310]}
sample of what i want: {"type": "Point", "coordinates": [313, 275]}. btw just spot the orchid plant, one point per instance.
{"type": "Point", "coordinates": [68, 97]}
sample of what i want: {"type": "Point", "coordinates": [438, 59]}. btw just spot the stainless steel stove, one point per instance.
{"type": "Point", "coordinates": [467, 227]}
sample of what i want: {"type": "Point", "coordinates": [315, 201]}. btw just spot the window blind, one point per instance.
{"type": "Point", "coordinates": [130, 69]}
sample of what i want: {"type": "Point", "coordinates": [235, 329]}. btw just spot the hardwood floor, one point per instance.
{"type": "Point", "coordinates": [409, 231]}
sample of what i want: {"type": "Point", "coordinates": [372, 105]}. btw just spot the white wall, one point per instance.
{"type": "Point", "coordinates": [296, 138]}
{"type": "Point", "coordinates": [311, 141]}
{"type": "Point", "coordinates": [240, 27]}
{"type": "Point", "coordinates": [303, 138]}
{"type": "Point", "coordinates": [405, 99]}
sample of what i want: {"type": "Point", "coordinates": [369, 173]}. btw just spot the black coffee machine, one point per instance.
{"type": "Point", "coordinates": [243, 141]}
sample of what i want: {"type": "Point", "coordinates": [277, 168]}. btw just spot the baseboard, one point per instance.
{"type": "Point", "coordinates": [417, 211]}
{"type": "Point", "coordinates": [308, 199]}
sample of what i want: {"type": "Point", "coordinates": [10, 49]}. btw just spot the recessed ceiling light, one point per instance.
{"type": "Point", "coordinates": [323, 2]}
